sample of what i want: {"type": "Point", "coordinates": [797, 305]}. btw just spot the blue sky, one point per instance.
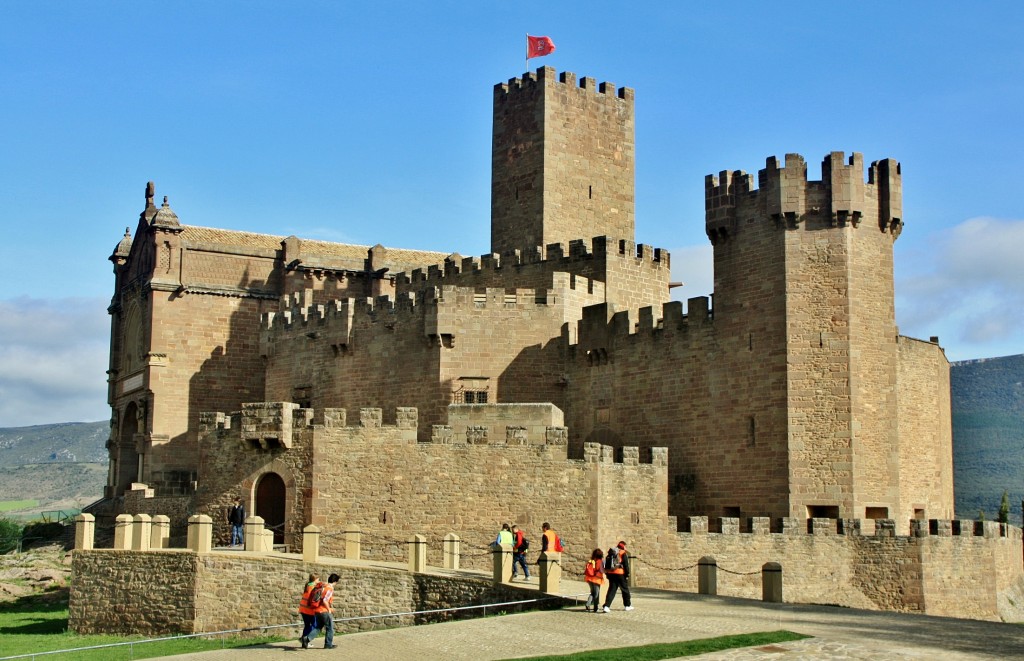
{"type": "Point", "coordinates": [370, 123]}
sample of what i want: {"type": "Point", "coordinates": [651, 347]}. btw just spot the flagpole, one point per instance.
{"type": "Point", "coordinates": [527, 61]}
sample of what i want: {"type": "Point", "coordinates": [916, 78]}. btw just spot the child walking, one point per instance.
{"type": "Point", "coordinates": [594, 576]}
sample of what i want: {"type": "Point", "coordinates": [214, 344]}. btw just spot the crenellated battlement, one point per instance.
{"type": "Point", "coordinates": [296, 313]}
{"type": "Point", "coordinates": [553, 257]}
{"type": "Point", "coordinates": [785, 195]}
{"type": "Point", "coordinates": [600, 331]}
{"type": "Point", "coordinates": [825, 527]}
{"type": "Point", "coordinates": [547, 76]}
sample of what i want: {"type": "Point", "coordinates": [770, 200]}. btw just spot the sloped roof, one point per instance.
{"type": "Point", "coordinates": [325, 253]}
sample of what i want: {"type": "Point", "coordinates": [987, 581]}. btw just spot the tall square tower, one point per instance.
{"type": "Point", "coordinates": [563, 161]}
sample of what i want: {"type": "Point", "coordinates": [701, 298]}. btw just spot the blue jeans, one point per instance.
{"type": "Point", "coordinates": [308, 625]}
{"type": "Point", "coordinates": [326, 622]}
{"type": "Point", "coordinates": [520, 559]}
{"type": "Point", "coordinates": [237, 536]}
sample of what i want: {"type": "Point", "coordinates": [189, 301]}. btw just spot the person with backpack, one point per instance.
{"type": "Point", "coordinates": [594, 576]}
{"type": "Point", "coordinates": [307, 607]}
{"type": "Point", "coordinates": [519, 547]}
{"type": "Point", "coordinates": [236, 517]}
{"type": "Point", "coordinates": [325, 614]}
{"type": "Point", "coordinates": [616, 568]}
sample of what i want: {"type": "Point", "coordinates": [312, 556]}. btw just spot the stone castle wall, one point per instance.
{"type": "Point", "coordinates": [697, 395]}
{"type": "Point", "coordinates": [633, 275]}
{"type": "Point", "coordinates": [926, 444]}
{"type": "Point", "coordinates": [176, 591]}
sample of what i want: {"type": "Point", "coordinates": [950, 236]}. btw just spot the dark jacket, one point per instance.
{"type": "Point", "coordinates": [236, 516]}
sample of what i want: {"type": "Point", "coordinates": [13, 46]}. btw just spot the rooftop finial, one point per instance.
{"type": "Point", "coordinates": [165, 202]}
{"type": "Point", "coordinates": [150, 192]}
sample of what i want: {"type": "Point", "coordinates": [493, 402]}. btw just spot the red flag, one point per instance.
{"type": "Point", "coordinates": [539, 46]}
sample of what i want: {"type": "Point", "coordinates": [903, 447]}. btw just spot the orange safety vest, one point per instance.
{"type": "Point", "coordinates": [325, 603]}
{"type": "Point", "coordinates": [304, 606]}
{"type": "Point", "coordinates": [622, 563]}
{"type": "Point", "coordinates": [594, 572]}
{"type": "Point", "coordinates": [549, 535]}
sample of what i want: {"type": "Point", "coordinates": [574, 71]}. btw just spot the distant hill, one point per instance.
{"type": "Point", "coordinates": [46, 468]}
{"type": "Point", "coordinates": [61, 442]}
{"type": "Point", "coordinates": [988, 435]}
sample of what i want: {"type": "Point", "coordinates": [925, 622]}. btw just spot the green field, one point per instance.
{"type": "Point", "coordinates": [11, 505]}
{"type": "Point", "coordinates": [659, 651]}
{"type": "Point", "coordinates": [31, 626]}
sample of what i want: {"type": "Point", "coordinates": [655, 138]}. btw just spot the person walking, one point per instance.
{"type": "Point", "coordinates": [594, 576]}
{"type": "Point", "coordinates": [325, 613]}
{"type": "Point", "coordinates": [236, 517]}
{"type": "Point", "coordinates": [308, 610]}
{"type": "Point", "coordinates": [519, 546]}
{"type": "Point", "coordinates": [616, 568]}
{"type": "Point", "coordinates": [504, 535]}
{"type": "Point", "coordinates": [550, 541]}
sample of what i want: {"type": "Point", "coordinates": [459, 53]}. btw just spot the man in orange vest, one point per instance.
{"type": "Point", "coordinates": [549, 540]}
{"type": "Point", "coordinates": [618, 577]}
{"type": "Point", "coordinates": [325, 615]}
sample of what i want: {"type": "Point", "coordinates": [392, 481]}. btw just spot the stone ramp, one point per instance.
{"type": "Point", "coordinates": [662, 616]}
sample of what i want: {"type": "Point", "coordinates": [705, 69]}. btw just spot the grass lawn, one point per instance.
{"type": "Point", "coordinates": [673, 650]}
{"type": "Point", "coordinates": [8, 505]}
{"type": "Point", "coordinates": [32, 625]}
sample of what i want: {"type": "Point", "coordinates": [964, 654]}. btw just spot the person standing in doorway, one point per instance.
{"type": "Point", "coordinates": [236, 517]}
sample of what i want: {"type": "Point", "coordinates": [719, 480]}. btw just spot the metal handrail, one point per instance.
{"type": "Point", "coordinates": [294, 625]}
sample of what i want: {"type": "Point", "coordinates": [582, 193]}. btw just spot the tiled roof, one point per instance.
{"type": "Point", "coordinates": [329, 253]}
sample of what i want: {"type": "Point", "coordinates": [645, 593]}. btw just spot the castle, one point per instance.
{"type": "Point", "coordinates": [236, 358]}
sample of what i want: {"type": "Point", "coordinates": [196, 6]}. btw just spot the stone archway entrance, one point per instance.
{"type": "Point", "coordinates": [270, 504]}
{"type": "Point", "coordinates": [126, 458]}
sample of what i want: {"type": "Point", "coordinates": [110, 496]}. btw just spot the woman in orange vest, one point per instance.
{"type": "Point", "coordinates": [594, 576]}
{"type": "Point", "coordinates": [618, 577]}
{"type": "Point", "coordinates": [308, 611]}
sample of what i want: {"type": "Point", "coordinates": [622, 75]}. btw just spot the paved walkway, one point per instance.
{"type": "Point", "coordinates": [662, 616]}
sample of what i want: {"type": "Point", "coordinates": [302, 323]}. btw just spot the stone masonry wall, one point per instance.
{"type": "Point", "coordinates": [563, 161]}
{"type": "Point", "coordinates": [169, 592]}
{"type": "Point", "coordinates": [691, 388]}
{"type": "Point", "coordinates": [926, 442]}
{"type": "Point", "coordinates": [136, 592]}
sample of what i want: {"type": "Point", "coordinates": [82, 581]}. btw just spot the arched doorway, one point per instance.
{"type": "Point", "coordinates": [127, 458]}
{"type": "Point", "coordinates": [270, 493]}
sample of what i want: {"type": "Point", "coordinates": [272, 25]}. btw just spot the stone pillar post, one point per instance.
{"type": "Point", "coordinates": [417, 553]}
{"type": "Point", "coordinates": [550, 571]}
{"type": "Point", "coordinates": [254, 533]}
{"type": "Point", "coordinates": [771, 582]}
{"type": "Point", "coordinates": [502, 563]}
{"type": "Point", "coordinates": [142, 528]}
{"type": "Point", "coordinates": [123, 532]}
{"type": "Point", "coordinates": [311, 543]}
{"type": "Point", "coordinates": [707, 576]}
{"type": "Point", "coordinates": [85, 532]}
{"type": "Point", "coordinates": [353, 542]}
{"type": "Point", "coordinates": [200, 533]}
{"type": "Point", "coordinates": [451, 551]}
{"type": "Point", "coordinates": [160, 532]}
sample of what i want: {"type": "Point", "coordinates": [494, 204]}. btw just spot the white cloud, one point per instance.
{"type": "Point", "coordinates": [53, 360]}
{"type": "Point", "coordinates": [968, 289]}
